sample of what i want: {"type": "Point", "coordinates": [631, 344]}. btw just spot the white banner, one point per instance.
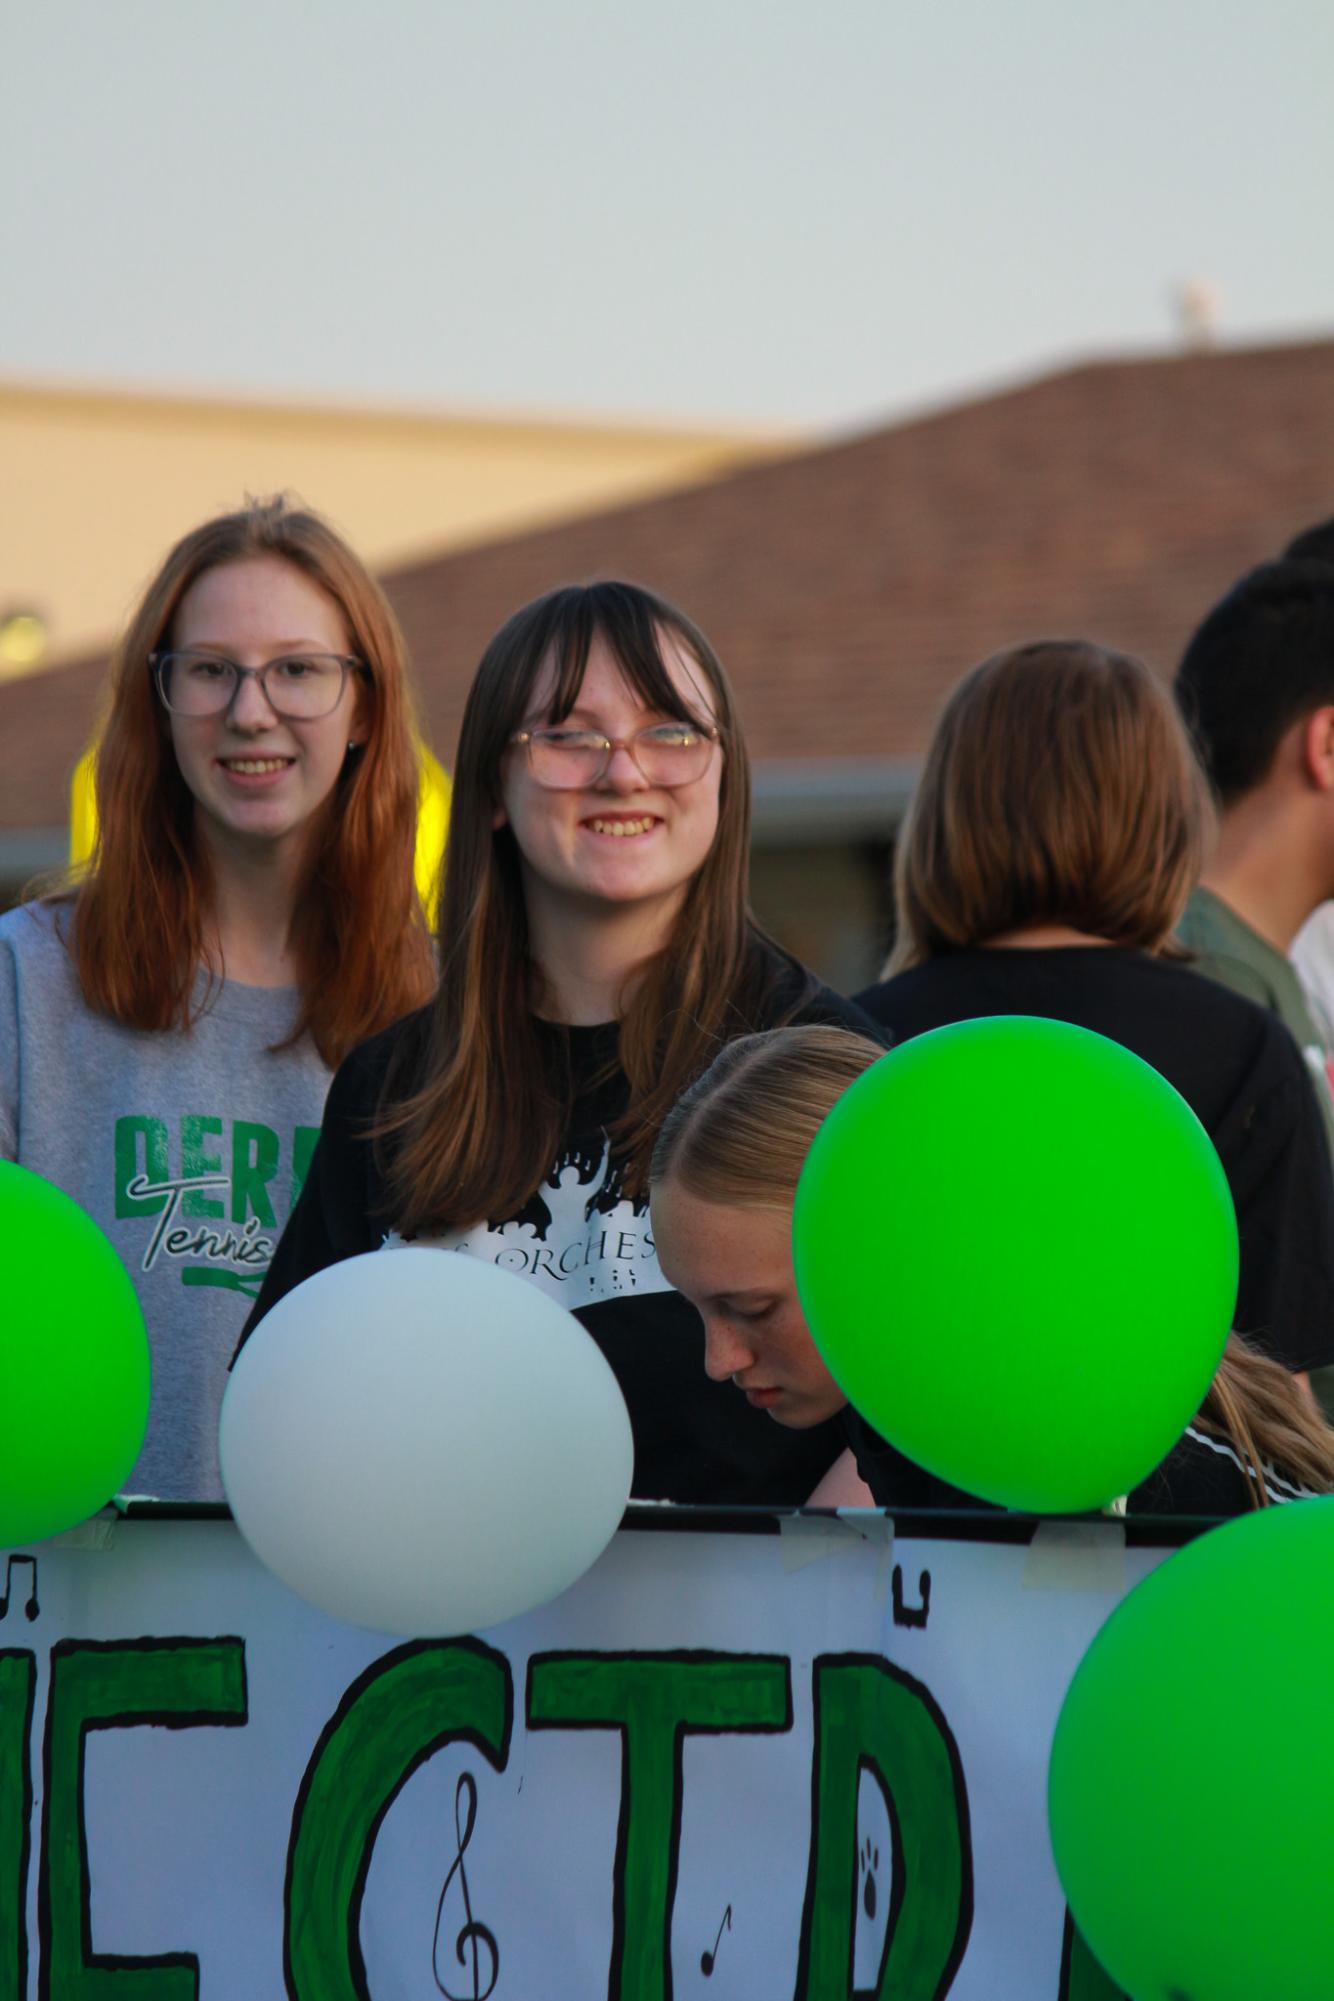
{"type": "Point", "coordinates": [742, 1766]}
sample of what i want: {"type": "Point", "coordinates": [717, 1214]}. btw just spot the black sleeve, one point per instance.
{"type": "Point", "coordinates": [871, 1000]}
{"type": "Point", "coordinates": [895, 1480]}
{"type": "Point", "coordinates": [1272, 1144]}
{"type": "Point", "coordinates": [1198, 1477]}
{"type": "Point", "coordinates": [824, 1008]}
{"type": "Point", "coordinates": [337, 1212]}
{"type": "Point", "coordinates": [786, 994]}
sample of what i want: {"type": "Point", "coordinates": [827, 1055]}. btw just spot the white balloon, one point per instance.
{"type": "Point", "coordinates": [420, 1443]}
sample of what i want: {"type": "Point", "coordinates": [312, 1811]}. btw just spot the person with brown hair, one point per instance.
{"type": "Point", "coordinates": [596, 949]}
{"type": "Point", "coordinates": [1048, 853]}
{"type": "Point", "coordinates": [724, 1178]}
{"type": "Point", "coordinates": [168, 1023]}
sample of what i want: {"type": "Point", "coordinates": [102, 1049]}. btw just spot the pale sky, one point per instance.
{"type": "Point", "coordinates": [765, 211]}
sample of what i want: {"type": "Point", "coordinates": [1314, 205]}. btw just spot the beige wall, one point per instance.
{"type": "Point", "coordinates": [94, 487]}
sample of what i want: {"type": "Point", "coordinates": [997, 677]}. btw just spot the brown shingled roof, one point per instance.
{"type": "Point", "coordinates": [847, 587]}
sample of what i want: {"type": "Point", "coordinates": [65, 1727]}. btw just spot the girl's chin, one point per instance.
{"type": "Point", "coordinates": [254, 832]}
{"type": "Point", "coordinates": [621, 886]}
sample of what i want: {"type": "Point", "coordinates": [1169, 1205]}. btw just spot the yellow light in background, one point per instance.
{"type": "Point", "coordinates": [433, 794]}
{"type": "Point", "coordinates": [82, 809]}
{"type": "Point", "coordinates": [22, 642]}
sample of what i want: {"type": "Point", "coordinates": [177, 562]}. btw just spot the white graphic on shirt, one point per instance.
{"type": "Point", "coordinates": [579, 1238]}
{"type": "Point", "coordinates": [207, 1190]}
{"type": "Point", "coordinates": [244, 1246]}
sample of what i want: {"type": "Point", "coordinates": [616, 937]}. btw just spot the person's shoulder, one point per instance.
{"type": "Point", "coordinates": [1229, 1016]}
{"type": "Point", "coordinates": [1238, 975]}
{"type": "Point", "coordinates": [35, 956]}
{"type": "Point", "coordinates": [823, 1008]}
{"type": "Point", "coordinates": [1242, 1004]}
{"type": "Point", "coordinates": [1206, 1475]}
{"type": "Point", "coordinates": [890, 1000]}
{"type": "Point", "coordinates": [387, 1062]}
{"type": "Point", "coordinates": [37, 930]}
{"type": "Point", "coordinates": [787, 994]}
{"type": "Point", "coordinates": [1206, 921]}
{"type": "Point", "coordinates": [1223, 948]}
{"type": "Point", "coordinates": [1247, 1067]}
{"type": "Point", "coordinates": [939, 991]}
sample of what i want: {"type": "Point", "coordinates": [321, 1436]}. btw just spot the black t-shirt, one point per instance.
{"type": "Point", "coordinates": [1201, 1475]}
{"type": "Point", "coordinates": [588, 1245]}
{"type": "Point", "coordinates": [1235, 1064]}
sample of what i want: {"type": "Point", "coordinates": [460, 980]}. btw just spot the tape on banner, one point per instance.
{"type": "Point", "coordinates": [96, 1533]}
{"type": "Point", "coordinates": [1076, 1556]}
{"type": "Point", "coordinates": [808, 1538]}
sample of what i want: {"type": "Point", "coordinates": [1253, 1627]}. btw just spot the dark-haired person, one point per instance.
{"type": "Point", "coordinates": [724, 1178]}
{"type": "Point", "coordinates": [1313, 948]}
{"type": "Point", "coordinates": [1045, 860]}
{"type": "Point", "coordinates": [1256, 686]}
{"type": "Point", "coordinates": [1313, 545]}
{"type": "Point", "coordinates": [596, 949]}
{"type": "Point", "coordinates": [168, 1027]}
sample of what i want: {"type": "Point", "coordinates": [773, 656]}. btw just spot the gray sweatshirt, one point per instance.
{"type": "Point", "coordinates": [187, 1149]}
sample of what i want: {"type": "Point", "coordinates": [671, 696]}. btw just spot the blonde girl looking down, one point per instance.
{"type": "Point", "coordinates": [725, 1172]}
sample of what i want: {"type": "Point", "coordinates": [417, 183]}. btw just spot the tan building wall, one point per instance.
{"type": "Point", "coordinates": [95, 486]}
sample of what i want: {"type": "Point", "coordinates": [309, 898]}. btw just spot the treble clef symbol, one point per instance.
{"type": "Point", "coordinates": [472, 1935]}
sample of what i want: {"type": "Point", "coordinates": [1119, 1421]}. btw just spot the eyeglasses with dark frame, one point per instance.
{"type": "Point", "coordinates": [665, 754]}
{"type": "Point", "coordinates": [299, 687]}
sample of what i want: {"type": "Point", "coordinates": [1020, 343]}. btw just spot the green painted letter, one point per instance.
{"type": "Point", "coordinates": [868, 1712]}
{"type": "Point", "coordinates": [110, 1685]}
{"type": "Point", "coordinates": [195, 1162]}
{"type": "Point", "coordinates": [654, 1700]}
{"type": "Point", "coordinates": [156, 1168]}
{"type": "Point", "coordinates": [254, 1164]}
{"type": "Point", "coordinates": [18, 1683]}
{"type": "Point", "coordinates": [393, 1717]}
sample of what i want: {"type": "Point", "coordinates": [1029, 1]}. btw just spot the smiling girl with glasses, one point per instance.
{"type": "Point", "coordinates": [168, 1026]}
{"type": "Point", "coordinates": [596, 949]}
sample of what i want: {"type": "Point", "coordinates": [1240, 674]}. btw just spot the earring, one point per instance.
{"type": "Point", "coordinates": [353, 743]}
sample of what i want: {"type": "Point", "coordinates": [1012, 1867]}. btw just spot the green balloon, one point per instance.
{"type": "Point", "coordinates": [1016, 1250]}
{"type": "Point", "coordinates": [74, 1363]}
{"type": "Point", "coordinates": [1191, 1790]}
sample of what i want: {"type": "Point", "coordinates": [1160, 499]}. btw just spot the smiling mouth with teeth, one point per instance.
{"type": "Point", "coordinates": [622, 827]}
{"type": "Point", "coordinates": [255, 767]}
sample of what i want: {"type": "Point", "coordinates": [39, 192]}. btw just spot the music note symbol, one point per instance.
{"type": "Point", "coordinates": [30, 1607]}
{"type": "Point", "coordinates": [708, 1960]}
{"type": "Point", "coordinates": [471, 1934]}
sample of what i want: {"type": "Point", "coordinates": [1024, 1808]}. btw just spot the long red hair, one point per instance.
{"type": "Point", "coordinates": [144, 912]}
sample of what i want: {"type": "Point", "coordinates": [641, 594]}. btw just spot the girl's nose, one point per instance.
{"type": "Point", "coordinates": [250, 709]}
{"type": "Point", "coordinates": [622, 773]}
{"type": "Point", "coordinates": [725, 1351]}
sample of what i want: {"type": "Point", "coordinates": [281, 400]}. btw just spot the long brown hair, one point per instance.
{"type": "Point", "coordinates": [1254, 1405]}
{"type": "Point", "coordinates": [1060, 787]}
{"type": "Point", "coordinates": [475, 1115]}
{"type": "Point", "coordinates": [740, 1135]}
{"type": "Point", "coordinates": [143, 914]}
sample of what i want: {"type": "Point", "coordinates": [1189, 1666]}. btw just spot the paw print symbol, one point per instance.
{"type": "Point", "coordinates": [869, 1858]}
